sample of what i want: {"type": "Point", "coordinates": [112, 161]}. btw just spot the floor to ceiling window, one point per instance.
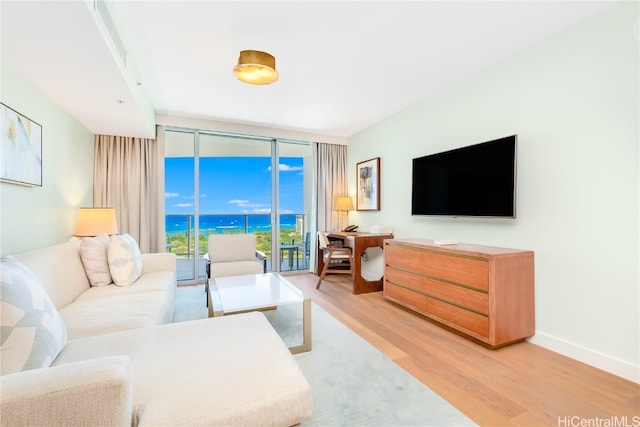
{"type": "Point", "coordinates": [223, 183]}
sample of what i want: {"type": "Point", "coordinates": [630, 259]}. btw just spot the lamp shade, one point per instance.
{"type": "Point", "coordinates": [344, 204]}
{"type": "Point", "coordinates": [95, 221]}
{"type": "Point", "coordinates": [256, 67]}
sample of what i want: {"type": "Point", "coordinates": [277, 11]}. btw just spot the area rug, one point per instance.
{"type": "Point", "coordinates": [353, 383]}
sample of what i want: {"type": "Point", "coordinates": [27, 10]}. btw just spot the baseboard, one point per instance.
{"type": "Point", "coordinates": [602, 361]}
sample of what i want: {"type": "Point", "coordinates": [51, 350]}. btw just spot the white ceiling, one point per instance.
{"type": "Point", "coordinates": [343, 65]}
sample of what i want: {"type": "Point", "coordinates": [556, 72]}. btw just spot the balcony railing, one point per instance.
{"type": "Point", "coordinates": [181, 238]}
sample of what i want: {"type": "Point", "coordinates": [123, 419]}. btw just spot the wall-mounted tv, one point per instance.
{"type": "Point", "coordinates": [477, 181]}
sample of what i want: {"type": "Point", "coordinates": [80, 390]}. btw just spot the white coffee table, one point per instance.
{"type": "Point", "coordinates": [238, 294]}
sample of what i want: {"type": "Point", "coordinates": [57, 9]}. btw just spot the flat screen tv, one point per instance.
{"type": "Point", "coordinates": [474, 181]}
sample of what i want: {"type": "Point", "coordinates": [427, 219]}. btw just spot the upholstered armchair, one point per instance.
{"type": "Point", "coordinates": [234, 255]}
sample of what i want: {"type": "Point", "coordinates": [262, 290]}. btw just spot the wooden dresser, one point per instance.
{"type": "Point", "coordinates": [484, 292]}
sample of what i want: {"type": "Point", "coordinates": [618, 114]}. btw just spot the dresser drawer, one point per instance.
{"type": "Point", "coordinates": [405, 296]}
{"type": "Point", "coordinates": [473, 300]}
{"type": "Point", "coordinates": [475, 324]}
{"type": "Point", "coordinates": [467, 321]}
{"type": "Point", "coordinates": [465, 270]}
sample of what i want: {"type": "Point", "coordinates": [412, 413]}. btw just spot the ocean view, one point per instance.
{"type": "Point", "coordinates": [178, 224]}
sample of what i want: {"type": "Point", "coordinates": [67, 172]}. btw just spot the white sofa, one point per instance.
{"type": "Point", "coordinates": [123, 364]}
{"type": "Point", "coordinates": [88, 310]}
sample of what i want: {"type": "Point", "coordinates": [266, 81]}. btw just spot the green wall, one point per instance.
{"type": "Point", "coordinates": [573, 101]}
{"type": "Point", "coordinates": [32, 217]}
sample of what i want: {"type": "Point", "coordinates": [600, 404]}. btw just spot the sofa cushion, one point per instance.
{"type": "Point", "coordinates": [232, 247]}
{"type": "Point", "coordinates": [93, 252]}
{"type": "Point", "coordinates": [237, 268]}
{"type": "Point", "coordinates": [105, 309]}
{"type": "Point", "coordinates": [231, 370]}
{"type": "Point", "coordinates": [59, 269]}
{"type": "Point", "coordinates": [125, 259]}
{"type": "Point", "coordinates": [33, 333]}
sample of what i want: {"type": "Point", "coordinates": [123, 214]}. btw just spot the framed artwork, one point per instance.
{"type": "Point", "coordinates": [21, 149]}
{"type": "Point", "coordinates": [368, 188]}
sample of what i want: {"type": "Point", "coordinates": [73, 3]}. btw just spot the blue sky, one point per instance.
{"type": "Point", "coordinates": [232, 185]}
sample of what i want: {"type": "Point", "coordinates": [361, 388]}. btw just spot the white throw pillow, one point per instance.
{"type": "Point", "coordinates": [125, 259]}
{"type": "Point", "coordinates": [93, 253]}
{"type": "Point", "coordinates": [33, 333]}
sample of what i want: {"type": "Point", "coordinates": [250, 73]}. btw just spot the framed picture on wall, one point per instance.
{"type": "Point", "coordinates": [368, 185]}
{"type": "Point", "coordinates": [21, 149]}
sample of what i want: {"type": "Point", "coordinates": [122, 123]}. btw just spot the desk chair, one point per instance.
{"type": "Point", "coordinates": [337, 259]}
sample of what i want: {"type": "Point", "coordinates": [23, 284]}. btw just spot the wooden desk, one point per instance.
{"type": "Point", "coordinates": [358, 242]}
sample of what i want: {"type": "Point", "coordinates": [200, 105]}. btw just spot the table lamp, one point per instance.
{"type": "Point", "coordinates": [343, 205]}
{"type": "Point", "coordinates": [95, 221]}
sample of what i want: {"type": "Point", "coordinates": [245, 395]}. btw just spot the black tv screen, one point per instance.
{"type": "Point", "coordinates": [478, 180]}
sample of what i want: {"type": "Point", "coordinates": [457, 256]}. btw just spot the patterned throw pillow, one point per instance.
{"type": "Point", "coordinates": [93, 253]}
{"type": "Point", "coordinates": [125, 259]}
{"type": "Point", "coordinates": [33, 333]}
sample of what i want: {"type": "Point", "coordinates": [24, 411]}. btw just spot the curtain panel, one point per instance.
{"type": "Point", "coordinates": [129, 176]}
{"type": "Point", "coordinates": [331, 181]}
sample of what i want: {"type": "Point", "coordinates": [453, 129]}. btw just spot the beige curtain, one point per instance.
{"type": "Point", "coordinates": [129, 176]}
{"type": "Point", "coordinates": [331, 181]}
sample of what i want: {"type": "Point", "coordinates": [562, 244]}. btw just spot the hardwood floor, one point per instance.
{"type": "Point", "coordinates": [521, 384]}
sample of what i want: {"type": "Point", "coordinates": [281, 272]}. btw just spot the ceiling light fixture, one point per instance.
{"type": "Point", "coordinates": [256, 68]}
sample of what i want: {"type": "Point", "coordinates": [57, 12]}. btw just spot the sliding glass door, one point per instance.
{"type": "Point", "coordinates": [233, 189]}
{"type": "Point", "coordinates": [180, 210]}
{"type": "Point", "coordinates": [294, 201]}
